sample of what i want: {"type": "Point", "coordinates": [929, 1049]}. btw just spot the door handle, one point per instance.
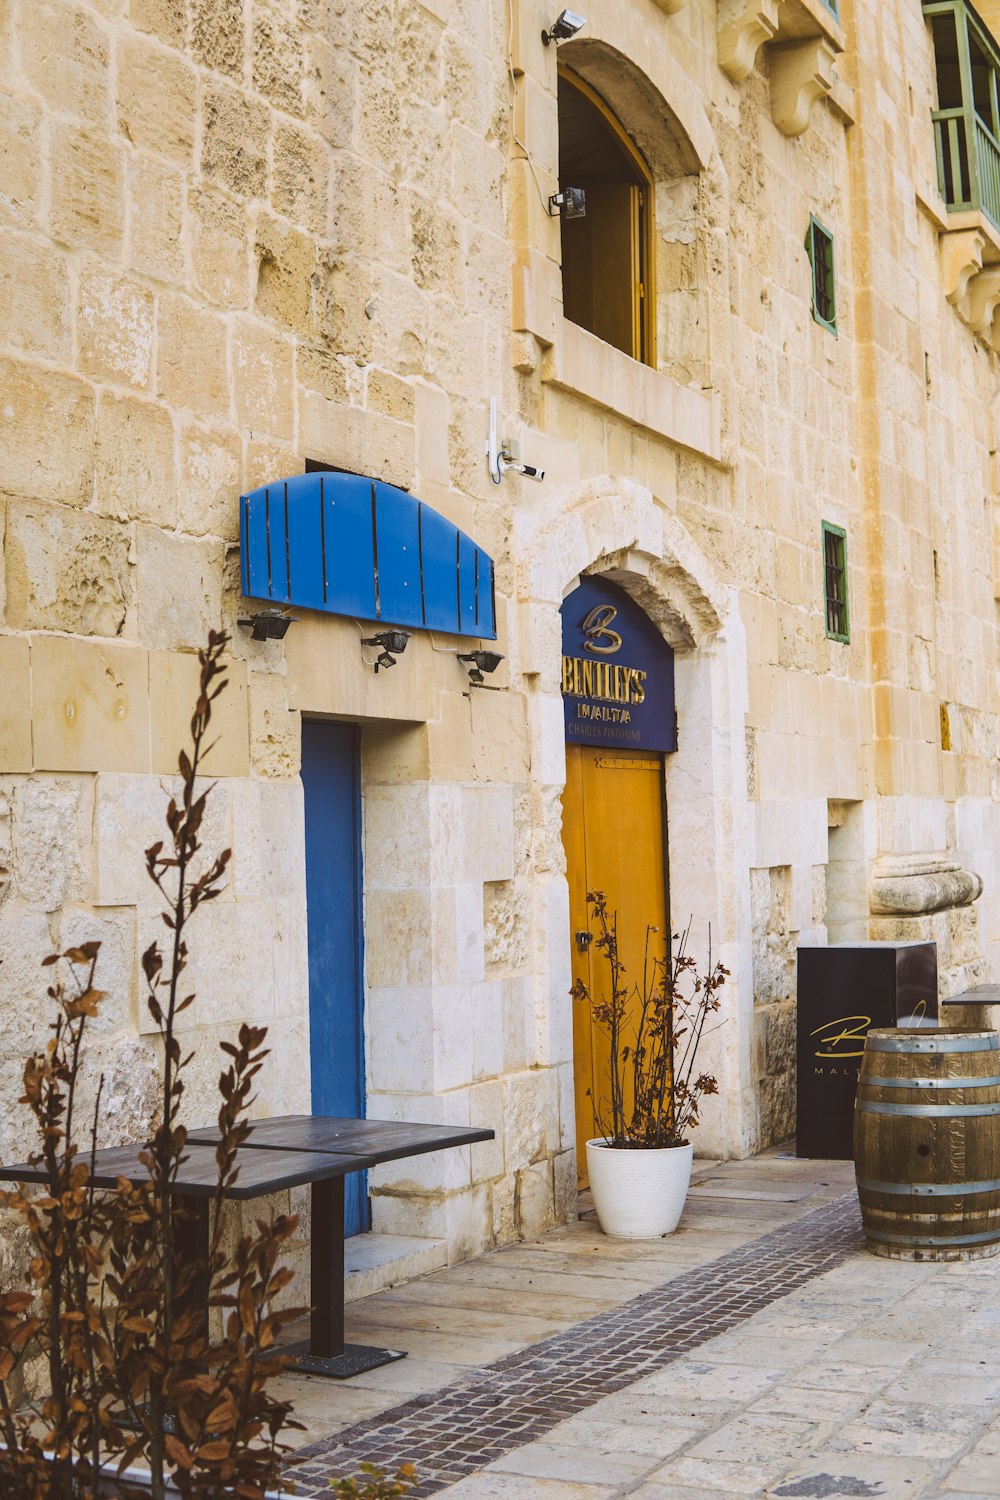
{"type": "Point", "coordinates": [583, 940]}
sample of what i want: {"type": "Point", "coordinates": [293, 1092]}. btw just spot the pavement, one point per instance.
{"type": "Point", "coordinates": [759, 1350]}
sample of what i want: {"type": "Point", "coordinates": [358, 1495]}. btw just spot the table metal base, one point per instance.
{"type": "Point", "coordinates": [354, 1359]}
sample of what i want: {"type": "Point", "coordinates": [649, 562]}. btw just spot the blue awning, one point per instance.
{"type": "Point", "coordinates": [348, 545]}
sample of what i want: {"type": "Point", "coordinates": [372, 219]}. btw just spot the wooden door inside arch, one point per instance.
{"type": "Point", "coordinates": [614, 835]}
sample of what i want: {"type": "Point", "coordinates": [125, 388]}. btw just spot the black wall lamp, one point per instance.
{"type": "Point", "coordinates": [569, 203]}
{"type": "Point", "coordinates": [482, 661]}
{"type": "Point", "coordinates": [566, 24]}
{"type": "Point", "coordinates": [393, 644]}
{"type": "Point", "coordinates": [268, 624]}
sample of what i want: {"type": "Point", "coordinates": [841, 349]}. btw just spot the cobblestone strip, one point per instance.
{"type": "Point", "coordinates": [471, 1423]}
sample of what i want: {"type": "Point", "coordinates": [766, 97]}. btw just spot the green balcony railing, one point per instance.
{"type": "Point", "coordinates": [967, 180]}
{"type": "Point", "coordinates": [967, 126]}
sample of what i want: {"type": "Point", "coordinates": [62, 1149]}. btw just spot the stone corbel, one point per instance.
{"type": "Point", "coordinates": [801, 73]}
{"type": "Point", "coordinates": [671, 7]}
{"type": "Point", "coordinates": [983, 299]}
{"type": "Point", "coordinates": [914, 885]}
{"type": "Point", "coordinates": [961, 257]}
{"type": "Point", "coordinates": [744, 25]}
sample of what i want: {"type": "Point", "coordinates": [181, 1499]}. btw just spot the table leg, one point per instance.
{"type": "Point", "coordinates": [191, 1242]}
{"type": "Point", "coordinates": [326, 1253]}
{"type": "Point", "coordinates": [326, 1353]}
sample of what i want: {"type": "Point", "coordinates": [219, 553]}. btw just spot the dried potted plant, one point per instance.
{"type": "Point", "coordinates": [640, 1162]}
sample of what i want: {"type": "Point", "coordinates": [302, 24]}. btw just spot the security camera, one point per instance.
{"type": "Point", "coordinates": [528, 470]}
{"type": "Point", "coordinates": [566, 24]}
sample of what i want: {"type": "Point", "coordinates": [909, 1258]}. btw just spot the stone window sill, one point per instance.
{"type": "Point", "coordinates": [583, 364]}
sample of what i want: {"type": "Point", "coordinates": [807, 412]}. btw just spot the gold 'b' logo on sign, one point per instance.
{"type": "Point", "coordinates": [842, 1036]}
{"type": "Point", "coordinates": [596, 627]}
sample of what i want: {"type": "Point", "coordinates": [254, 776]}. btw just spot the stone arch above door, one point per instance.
{"type": "Point", "coordinates": [618, 527]}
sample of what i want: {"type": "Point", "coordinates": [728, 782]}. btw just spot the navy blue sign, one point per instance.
{"type": "Point", "coordinates": [353, 546]}
{"type": "Point", "coordinates": [617, 671]}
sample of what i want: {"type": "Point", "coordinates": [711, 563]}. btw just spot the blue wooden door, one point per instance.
{"type": "Point", "coordinates": [331, 779]}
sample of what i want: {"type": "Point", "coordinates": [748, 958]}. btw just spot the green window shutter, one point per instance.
{"type": "Point", "coordinates": [835, 582]}
{"type": "Point", "coordinates": [833, 6]}
{"type": "Point", "coordinates": [819, 248]}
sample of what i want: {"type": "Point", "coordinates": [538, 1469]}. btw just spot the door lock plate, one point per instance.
{"type": "Point", "coordinates": [584, 940]}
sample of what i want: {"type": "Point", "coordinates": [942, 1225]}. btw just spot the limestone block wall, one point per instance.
{"type": "Point", "coordinates": [239, 234]}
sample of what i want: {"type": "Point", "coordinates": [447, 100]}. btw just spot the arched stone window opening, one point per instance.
{"type": "Point", "coordinates": [634, 270]}
{"type": "Point", "coordinates": [608, 259]}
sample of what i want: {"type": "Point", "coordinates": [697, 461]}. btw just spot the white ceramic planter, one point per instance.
{"type": "Point", "coordinates": [638, 1195]}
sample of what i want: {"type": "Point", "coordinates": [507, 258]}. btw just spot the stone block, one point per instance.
{"type": "Point", "coordinates": [486, 1113]}
{"type": "Point", "coordinates": [135, 461]}
{"type": "Point", "coordinates": [66, 571]}
{"type": "Point", "coordinates": [499, 742]}
{"type": "Point", "coordinates": [435, 1172]}
{"type": "Point", "coordinates": [275, 730]}
{"type": "Point", "coordinates": [211, 472]}
{"type": "Point", "coordinates": [399, 938]}
{"type": "Point", "coordinates": [330, 90]}
{"type": "Point", "coordinates": [34, 297]}
{"type": "Point", "coordinates": [157, 98]}
{"type": "Point", "coordinates": [64, 58]}
{"type": "Point", "coordinates": [277, 55]}
{"type": "Point", "coordinates": [285, 260]}
{"type": "Point", "coordinates": [20, 151]}
{"type": "Point", "coordinates": [89, 706]}
{"type": "Point", "coordinates": [397, 830]}
{"type": "Point", "coordinates": [15, 717]}
{"type": "Point", "coordinates": [173, 690]}
{"type": "Point", "coordinates": [116, 975]}
{"type": "Point", "coordinates": [87, 205]}
{"type": "Point", "coordinates": [535, 1204]}
{"type": "Point", "coordinates": [470, 958]}
{"type": "Point", "coordinates": [431, 418]}
{"type": "Point", "coordinates": [25, 940]}
{"type": "Point", "coordinates": [46, 434]}
{"type": "Point", "coordinates": [268, 838]}
{"type": "Point", "coordinates": [191, 363]}
{"type": "Point", "coordinates": [262, 379]}
{"type": "Point", "coordinates": [450, 739]}
{"type": "Point", "coordinates": [361, 441]}
{"type": "Point", "coordinates": [395, 753]}
{"type": "Point", "coordinates": [300, 180]}
{"type": "Point", "coordinates": [217, 35]}
{"type": "Point", "coordinates": [399, 1024]}
{"type": "Point", "coordinates": [234, 139]}
{"type": "Point", "coordinates": [51, 843]}
{"type": "Point", "coordinates": [163, 18]}
{"type": "Point", "coordinates": [156, 220]}
{"type": "Point", "coordinates": [487, 823]}
{"type": "Point", "coordinates": [220, 247]}
{"type": "Point", "coordinates": [130, 815]}
{"type": "Point", "coordinates": [114, 327]}
{"type": "Point", "coordinates": [179, 588]}
{"type": "Point", "coordinates": [565, 1196]}
{"type": "Point", "coordinates": [230, 967]}
{"type": "Point", "coordinates": [485, 1002]}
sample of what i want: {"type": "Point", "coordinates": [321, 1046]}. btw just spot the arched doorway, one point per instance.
{"type": "Point", "coordinates": [617, 685]}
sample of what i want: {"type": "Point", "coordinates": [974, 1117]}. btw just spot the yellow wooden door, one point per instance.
{"type": "Point", "coordinates": [613, 830]}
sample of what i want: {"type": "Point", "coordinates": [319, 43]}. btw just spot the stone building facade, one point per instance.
{"type": "Point", "coordinates": [243, 235]}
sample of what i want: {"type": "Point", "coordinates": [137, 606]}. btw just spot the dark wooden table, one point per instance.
{"type": "Point", "coordinates": [282, 1152]}
{"type": "Point", "coordinates": [262, 1171]}
{"type": "Point", "coordinates": [980, 994]}
{"type": "Point", "coordinates": [376, 1140]}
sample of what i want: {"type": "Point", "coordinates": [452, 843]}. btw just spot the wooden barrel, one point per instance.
{"type": "Point", "coordinates": [927, 1143]}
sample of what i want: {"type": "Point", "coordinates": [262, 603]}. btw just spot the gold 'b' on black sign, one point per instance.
{"type": "Point", "coordinates": [627, 701]}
